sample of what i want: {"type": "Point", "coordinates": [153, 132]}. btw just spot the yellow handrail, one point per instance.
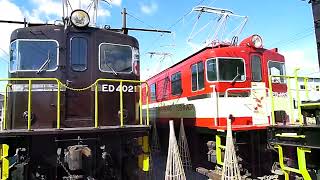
{"type": "Point", "coordinates": [60, 84]}
{"type": "Point", "coordinates": [96, 103]}
{"type": "Point", "coordinates": [29, 104]}
{"type": "Point", "coordinates": [121, 81]}
{"type": "Point", "coordinates": [298, 98]}
{"type": "Point", "coordinates": [272, 101]}
{"type": "Point", "coordinates": [140, 103]}
{"type": "Point", "coordinates": [121, 105]}
{"type": "Point", "coordinates": [58, 105]}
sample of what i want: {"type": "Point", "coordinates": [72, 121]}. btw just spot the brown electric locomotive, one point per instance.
{"type": "Point", "coordinates": [72, 106]}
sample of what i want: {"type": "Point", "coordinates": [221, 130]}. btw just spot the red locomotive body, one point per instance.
{"type": "Point", "coordinates": [210, 85]}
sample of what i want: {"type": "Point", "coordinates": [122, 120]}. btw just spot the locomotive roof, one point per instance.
{"type": "Point", "coordinates": [188, 57]}
{"type": "Point", "coordinates": [46, 30]}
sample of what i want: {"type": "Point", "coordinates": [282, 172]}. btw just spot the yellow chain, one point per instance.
{"type": "Point", "coordinates": [78, 89]}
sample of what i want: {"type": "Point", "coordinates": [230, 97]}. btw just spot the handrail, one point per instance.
{"type": "Point", "coordinates": [30, 96]}
{"type": "Point", "coordinates": [121, 99]}
{"type": "Point", "coordinates": [289, 89]}
{"type": "Point", "coordinates": [60, 84]}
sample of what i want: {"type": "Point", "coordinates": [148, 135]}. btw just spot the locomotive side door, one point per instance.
{"type": "Point", "coordinates": [259, 94]}
{"type": "Point", "coordinates": [79, 112]}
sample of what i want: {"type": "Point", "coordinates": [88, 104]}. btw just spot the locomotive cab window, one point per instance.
{"type": "Point", "coordinates": [231, 69]}
{"type": "Point", "coordinates": [212, 70]}
{"type": "Point", "coordinates": [276, 69]}
{"type": "Point", "coordinates": [115, 58]}
{"type": "Point", "coordinates": [176, 88]}
{"type": "Point", "coordinates": [153, 92]}
{"type": "Point", "coordinates": [33, 55]}
{"type": "Point", "coordinates": [197, 76]}
{"type": "Point", "coordinates": [256, 68]}
{"type": "Point", "coordinates": [79, 53]}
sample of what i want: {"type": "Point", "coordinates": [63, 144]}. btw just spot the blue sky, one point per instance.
{"type": "Point", "coordinates": [285, 24]}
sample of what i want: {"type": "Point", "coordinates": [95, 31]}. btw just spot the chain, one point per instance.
{"type": "Point", "coordinates": [78, 89]}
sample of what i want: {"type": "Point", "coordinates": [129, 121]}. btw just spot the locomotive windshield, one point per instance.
{"type": "Point", "coordinates": [33, 55]}
{"type": "Point", "coordinates": [228, 69]}
{"type": "Point", "coordinates": [115, 58]}
{"type": "Point", "coordinates": [276, 69]}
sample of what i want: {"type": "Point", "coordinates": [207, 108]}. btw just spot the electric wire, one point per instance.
{"type": "Point", "coordinates": [170, 27]}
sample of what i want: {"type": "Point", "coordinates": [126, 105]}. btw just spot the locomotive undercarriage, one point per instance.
{"type": "Point", "coordinates": [256, 158]}
{"type": "Point", "coordinates": [75, 154]}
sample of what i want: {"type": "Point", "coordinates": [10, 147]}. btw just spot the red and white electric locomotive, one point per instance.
{"type": "Point", "coordinates": [210, 85]}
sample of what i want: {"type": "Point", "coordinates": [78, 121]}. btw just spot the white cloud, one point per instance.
{"type": "Point", "coordinates": [103, 12]}
{"type": "Point", "coordinates": [48, 7]}
{"type": "Point", "coordinates": [9, 11]}
{"type": "Point", "coordinates": [115, 2]}
{"type": "Point", "coordinates": [305, 59]}
{"type": "Point", "coordinates": [149, 9]}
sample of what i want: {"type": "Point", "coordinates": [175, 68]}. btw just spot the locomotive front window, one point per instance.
{"type": "Point", "coordinates": [33, 55]}
{"type": "Point", "coordinates": [231, 69]}
{"type": "Point", "coordinates": [276, 69]}
{"type": "Point", "coordinates": [176, 88]}
{"type": "Point", "coordinates": [79, 53]}
{"type": "Point", "coordinates": [115, 58]}
{"type": "Point", "coordinates": [256, 68]}
{"type": "Point", "coordinates": [211, 70]}
{"type": "Point", "coordinates": [197, 76]}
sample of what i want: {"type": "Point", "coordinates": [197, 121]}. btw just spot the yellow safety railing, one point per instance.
{"type": "Point", "coordinates": [60, 84]}
{"type": "Point", "coordinates": [30, 80]}
{"type": "Point", "coordinates": [96, 125]}
{"type": "Point", "coordinates": [299, 103]}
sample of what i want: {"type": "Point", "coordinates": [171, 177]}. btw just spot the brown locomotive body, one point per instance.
{"type": "Point", "coordinates": [72, 105]}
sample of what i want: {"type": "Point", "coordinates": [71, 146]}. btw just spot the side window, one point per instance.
{"type": "Point", "coordinates": [79, 53]}
{"type": "Point", "coordinates": [256, 68]}
{"type": "Point", "coordinates": [153, 91]}
{"type": "Point", "coordinates": [276, 69]}
{"type": "Point", "coordinates": [176, 88]}
{"type": "Point", "coordinates": [211, 70]}
{"type": "Point", "coordinates": [197, 76]}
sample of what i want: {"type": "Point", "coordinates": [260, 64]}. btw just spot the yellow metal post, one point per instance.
{"type": "Point", "coordinates": [301, 152]}
{"type": "Point", "coordinates": [219, 148]}
{"type": "Point", "coordinates": [5, 162]}
{"type": "Point", "coordinates": [272, 101]}
{"type": "Point", "coordinates": [140, 103]}
{"type": "Point", "coordinates": [121, 105]}
{"type": "Point", "coordinates": [301, 163]}
{"type": "Point", "coordinates": [96, 103]}
{"type": "Point", "coordinates": [146, 153]}
{"type": "Point", "coordinates": [58, 105]}
{"type": "Point", "coordinates": [298, 95]}
{"type": "Point", "coordinates": [305, 82]}
{"type": "Point", "coordinates": [29, 104]}
{"type": "Point", "coordinates": [291, 119]}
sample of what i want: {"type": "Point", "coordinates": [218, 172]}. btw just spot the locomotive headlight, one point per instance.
{"type": "Point", "coordinates": [256, 41]}
{"type": "Point", "coordinates": [80, 18]}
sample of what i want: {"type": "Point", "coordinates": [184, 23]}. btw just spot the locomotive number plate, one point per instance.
{"type": "Point", "coordinates": [112, 88]}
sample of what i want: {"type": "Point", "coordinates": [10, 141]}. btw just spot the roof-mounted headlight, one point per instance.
{"type": "Point", "coordinates": [256, 41]}
{"type": "Point", "coordinates": [80, 18]}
